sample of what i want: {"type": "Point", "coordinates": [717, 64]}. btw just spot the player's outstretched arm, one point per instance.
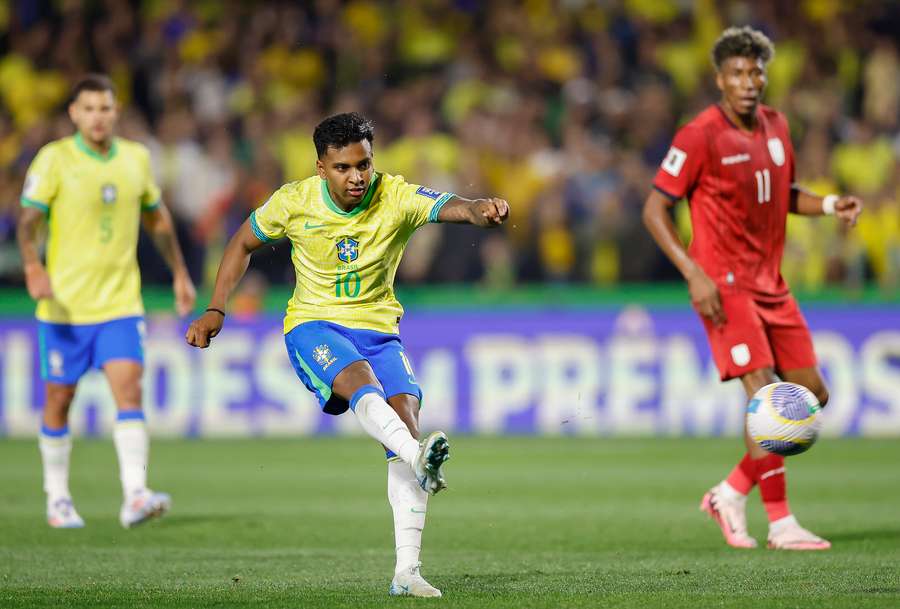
{"type": "Point", "coordinates": [486, 213]}
{"type": "Point", "coordinates": [232, 267]}
{"type": "Point", "coordinates": [704, 293]}
{"type": "Point", "coordinates": [805, 203]}
{"type": "Point", "coordinates": [36, 278]}
{"type": "Point", "coordinates": [159, 225]}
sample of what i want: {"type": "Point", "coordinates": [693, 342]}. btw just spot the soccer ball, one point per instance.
{"type": "Point", "coordinates": [784, 418]}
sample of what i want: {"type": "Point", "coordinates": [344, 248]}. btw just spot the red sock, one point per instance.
{"type": "Point", "coordinates": [743, 476]}
{"type": "Point", "coordinates": [772, 486]}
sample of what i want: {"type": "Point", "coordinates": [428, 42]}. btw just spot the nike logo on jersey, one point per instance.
{"type": "Point", "coordinates": [734, 159]}
{"type": "Point", "coordinates": [308, 226]}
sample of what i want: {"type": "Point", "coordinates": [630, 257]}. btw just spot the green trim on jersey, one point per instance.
{"type": "Point", "coordinates": [113, 149]}
{"type": "Point", "coordinates": [433, 214]}
{"type": "Point", "coordinates": [257, 230]}
{"type": "Point", "coordinates": [151, 206]}
{"type": "Point", "coordinates": [26, 202]}
{"type": "Point", "coordinates": [323, 389]}
{"type": "Point", "coordinates": [360, 207]}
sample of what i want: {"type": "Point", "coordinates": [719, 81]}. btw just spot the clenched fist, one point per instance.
{"type": "Point", "coordinates": [203, 329]}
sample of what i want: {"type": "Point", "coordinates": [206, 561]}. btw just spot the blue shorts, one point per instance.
{"type": "Point", "coordinates": [67, 351]}
{"type": "Point", "coordinates": [319, 350]}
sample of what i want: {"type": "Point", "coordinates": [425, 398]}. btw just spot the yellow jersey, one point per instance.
{"type": "Point", "coordinates": [345, 261]}
{"type": "Point", "coordinates": [94, 204]}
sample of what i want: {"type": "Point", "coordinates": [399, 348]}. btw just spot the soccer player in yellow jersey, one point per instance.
{"type": "Point", "coordinates": [348, 226]}
{"type": "Point", "coordinates": [94, 190]}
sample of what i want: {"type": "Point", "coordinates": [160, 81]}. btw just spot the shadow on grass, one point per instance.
{"type": "Point", "coordinates": [188, 520]}
{"type": "Point", "coordinates": [865, 535]}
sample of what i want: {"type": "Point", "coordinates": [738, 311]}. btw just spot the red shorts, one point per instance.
{"type": "Point", "coordinates": [759, 334]}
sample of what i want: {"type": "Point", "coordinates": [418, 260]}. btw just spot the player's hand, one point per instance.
{"type": "Point", "coordinates": [492, 212]}
{"type": "Point", "coordinates": [37, 280]}
{"type": "Point", "coordinates": [847, 209]}
{"type": "Point", "coordinates": [705, 297]}
{"type": "Point", "coordinates": [185, 293]}
{"type": "Point", "coordinates": [203, 329]}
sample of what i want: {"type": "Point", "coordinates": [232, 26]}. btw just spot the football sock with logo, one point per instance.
{"type": "Point", "coordinates": [409, 503]}
{"type": "Point", "coordinates": [133, 448]}
{"type": "Point", "coordinates": [380, 421]}
{"type": "Point", "coordinates": [772, 486]}
{"type": "Point", "coordinates": [55, 446]}
{"type": "Point", "coordinates": [742, 478]}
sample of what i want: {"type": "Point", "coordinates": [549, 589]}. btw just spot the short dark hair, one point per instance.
{"type": "Point", "coordinates": [92, 82]}
{"type": "Point", "coordinates": [742, 42]}
{"type": "Point", "coordinates": [341, 130]}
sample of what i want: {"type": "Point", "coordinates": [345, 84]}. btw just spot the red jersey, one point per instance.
{"type": "Point", "coordinates": [738, 185]}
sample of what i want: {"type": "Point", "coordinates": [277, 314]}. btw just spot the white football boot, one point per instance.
{"type": "Point", "coordinates": [61, 514]}
{"type": "Point", "coordinates": [730, 515]}
{"type": "Point", "coordinates": [433, 451]}
{"type": "Point", "coordinates": [787, 534]}
{"type": "Point", "coordinates": [143, 506]}
{"type": "Point", "coordinates": [409, 582]}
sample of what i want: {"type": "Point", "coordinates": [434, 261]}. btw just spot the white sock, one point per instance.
{"type": "Point", "coordinates": [781, 523]}
{"type": "Point", "coordinates": [55, 451]}
{"type": "Point", "coordinates": [409, 502]}
{"type": "Point", "coordinates": [729, 493]}
{"type": "Point", "coordinates": [381, 422]}
{"type": "Point", "coordinates": [133, 448]}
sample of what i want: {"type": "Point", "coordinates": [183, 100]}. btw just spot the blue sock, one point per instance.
{"type": "Point", "coordinates": [54, 433]}
{"type": "Point", "coordinates": [362, 391]}
{"type": "Point", "coordinates": [130, 415]}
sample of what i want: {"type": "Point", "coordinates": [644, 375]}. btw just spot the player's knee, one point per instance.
{"type": "Point", "coordinates": [407, 408]}
{"type": "Point", "coordinates": [59, 398]}
{"type": "Point", "coordinates": [131, 394]}
{"type": "Point", "coordinates": [756, 379]}
{"type": "Point", "coordinates": [821, 393]}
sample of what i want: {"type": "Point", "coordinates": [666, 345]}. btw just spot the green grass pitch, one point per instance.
{"type": "Point", "coordinates": [526, 522]}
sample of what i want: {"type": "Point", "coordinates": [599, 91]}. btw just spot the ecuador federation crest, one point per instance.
{"type": "Point", "coordinates": [348, 249]}
{"type": "Point", "coordinates": [776, 151]}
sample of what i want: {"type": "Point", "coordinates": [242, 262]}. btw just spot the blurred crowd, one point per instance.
{"type": "Point", "coordinates": [563, 107]}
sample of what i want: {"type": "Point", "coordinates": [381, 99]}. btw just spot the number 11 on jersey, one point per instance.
{"type": "Point", "coordinates": [763, 186]}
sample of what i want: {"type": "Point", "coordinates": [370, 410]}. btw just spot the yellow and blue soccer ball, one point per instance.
{"type": "Point", "coordinates": [784, 418]}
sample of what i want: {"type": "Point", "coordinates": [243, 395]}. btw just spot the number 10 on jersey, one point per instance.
{"type": "Point", "coordinates": [347, 284]}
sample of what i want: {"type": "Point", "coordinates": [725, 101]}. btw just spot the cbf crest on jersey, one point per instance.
{"type": "Point", "coordinates": [323, 356]}
{"type": "Point", "coordinates": [776, 151]}
{"type": "Point", "coordinates": [348, 249]}
{"type": "Point", "coordinates": [108, 193]}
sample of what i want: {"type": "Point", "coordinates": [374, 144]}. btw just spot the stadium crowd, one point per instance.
{"type": "Point", "coordinates": [563, 107]}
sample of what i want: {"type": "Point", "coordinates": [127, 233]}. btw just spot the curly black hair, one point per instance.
{"type": "Point", "coordinates": [341, 130]}
{"type": "Point", "coordinates": [742, 42]}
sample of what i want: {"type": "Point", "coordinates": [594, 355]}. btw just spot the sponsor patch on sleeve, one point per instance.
{"type": "Point", "coordinates": [674, 161]}
{"type": "Point", "coordinates": [31, 183]}
{"type": "Point", "coordinates": [428, 192]}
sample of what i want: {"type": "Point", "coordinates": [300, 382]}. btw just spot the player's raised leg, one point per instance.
{"type": "Point", "coordinates": [133, 445]}
{"type": "Point", "coordinates": [55, 444]}
{"type": "Point", "coordinates": [381, 421]}
{"type": "Point", "coordinates": [409, 504]}
{"type": "Point", "coordinates": [358, 385]}
{"type": "Point", "coordinates": [785, 533]}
